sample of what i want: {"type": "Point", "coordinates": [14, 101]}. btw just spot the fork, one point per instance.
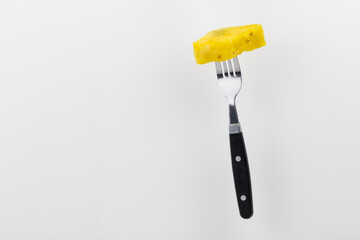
{"type": "Point", "coordinates": [230, 81]}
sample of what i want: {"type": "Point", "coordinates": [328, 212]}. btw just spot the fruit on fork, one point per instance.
{"type": "Point", "coordinates": [226, 43]}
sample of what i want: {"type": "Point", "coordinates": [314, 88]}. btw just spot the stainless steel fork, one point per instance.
{"type": "Point", "coordinates": [230, 81]}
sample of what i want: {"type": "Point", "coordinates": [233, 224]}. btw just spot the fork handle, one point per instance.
{"type": "Point", "coordinates": [241, 172]}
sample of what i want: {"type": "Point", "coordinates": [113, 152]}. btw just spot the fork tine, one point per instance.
{"type": "Point", "coordinates": [231, 73]}
{"type": "Point", "coordinates": [219, 70]}
{"type": "Point", "coordinates": [236, 67]}
{"type": "Point", "coordinates": [226, 73]}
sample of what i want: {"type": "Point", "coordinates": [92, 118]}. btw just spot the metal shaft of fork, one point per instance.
{"type": "Point", "coordinates": [234, 126]}
{"type": "Point", "coordinates": [233, 114]}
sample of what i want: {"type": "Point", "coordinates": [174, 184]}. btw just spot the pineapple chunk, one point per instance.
{"type": "Point", "coordinates": [226, 43]}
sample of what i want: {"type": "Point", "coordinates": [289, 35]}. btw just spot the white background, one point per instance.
{"type": "Point", "coordinates": [109, 130]}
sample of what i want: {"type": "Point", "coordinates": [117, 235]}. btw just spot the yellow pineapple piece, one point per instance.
{"type": "Point", "coordinates": [226, 43]}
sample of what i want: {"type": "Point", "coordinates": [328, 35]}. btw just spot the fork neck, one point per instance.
{"type": "Point", "coordinates": [233, 113]}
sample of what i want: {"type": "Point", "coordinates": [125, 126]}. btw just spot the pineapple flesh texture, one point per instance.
{"type": "Point", "coordinates": [226, 43]}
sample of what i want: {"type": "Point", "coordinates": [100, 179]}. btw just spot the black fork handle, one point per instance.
{"type": "Point", "coordinates": [241, 172]}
